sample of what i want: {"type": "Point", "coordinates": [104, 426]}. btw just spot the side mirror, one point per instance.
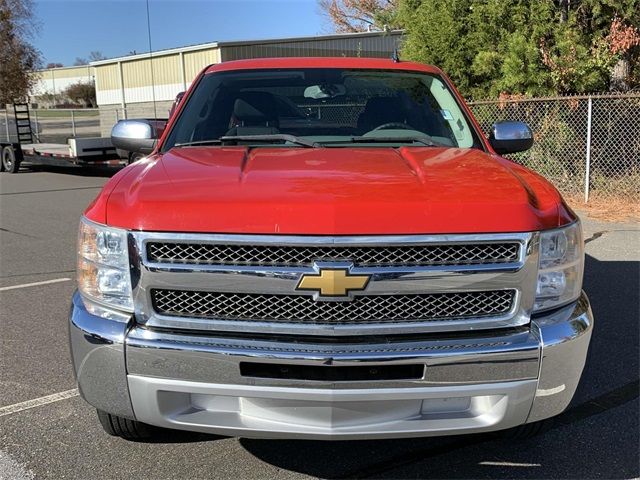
{"type": "Point", "coordinates": [137, 136]}
{"type": "Point", "coordinates": [510, 137]}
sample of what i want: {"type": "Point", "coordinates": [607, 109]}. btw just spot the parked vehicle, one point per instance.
{"type": "Point", "coordinates": [21, 145]}
{"type": "Point", "coordinates": [327, 248]}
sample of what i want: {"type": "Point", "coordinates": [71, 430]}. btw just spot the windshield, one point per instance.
{"type": "Point", "coordinates": [327, 107]}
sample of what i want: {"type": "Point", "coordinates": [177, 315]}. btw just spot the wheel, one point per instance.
{"type": "Point", "coordinates": [9, 161]}
{"type": "Point", "coordinates": [134, 157]}
{"type": "Point", "coordinates": [528, 430]}
{"type": "Point", "coordinates": [124, 428]}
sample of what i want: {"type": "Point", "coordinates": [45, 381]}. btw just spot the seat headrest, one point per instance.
{"type": "Point", "coordinates": [252, 106]}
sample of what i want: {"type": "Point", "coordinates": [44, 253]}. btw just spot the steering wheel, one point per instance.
{"type": "Point", "coordinates": [394, 125]}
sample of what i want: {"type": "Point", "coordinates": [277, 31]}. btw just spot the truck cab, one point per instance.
{"type": "Point", "coordinates": [327, 248]}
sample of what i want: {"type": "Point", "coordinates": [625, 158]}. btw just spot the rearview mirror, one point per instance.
{"type": "Point", "coordinates": [510, 137]}
{"type": "Point", "coordinates": [319, 92]}
{"type": "Point", "coordinates": [137, 135]}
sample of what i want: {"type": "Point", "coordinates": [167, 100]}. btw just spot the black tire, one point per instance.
{"type": "Point", "coordinates": [134, 157]}
{"type": "Point", "coordinates": [528, 430]}
{"type": "Point", "coordinates": [10, 162]}
{"type": "Point", "coordinates": [125, 428]}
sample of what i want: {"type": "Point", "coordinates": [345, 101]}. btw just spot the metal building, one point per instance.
{"type": "Point", "coordinates": [54, 81]}
{"type": "Point", "coordinates": [127, 86]}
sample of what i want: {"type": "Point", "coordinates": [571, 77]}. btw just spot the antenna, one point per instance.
{"type": "Point", "coordinates": [395, 56]}
{"type": "Point", "coordinates": [153, 83]}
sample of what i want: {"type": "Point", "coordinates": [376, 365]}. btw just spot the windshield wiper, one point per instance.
{"type": "Point", "coordinates": [273, 137]}
{"type": "Point", "coordinates": [423, 139]}
{"type": "Point", "coordinates": [270, 138]}
{"type": "Point", "coordinates": [212, 141]}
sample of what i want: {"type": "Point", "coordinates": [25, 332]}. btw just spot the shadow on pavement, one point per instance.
{"type": "Point", "coordinates": [75, 170]}
{"type": "Point", "coordinates": [166, 436]}
{"type": "Point", "coordinates": [582, 444]}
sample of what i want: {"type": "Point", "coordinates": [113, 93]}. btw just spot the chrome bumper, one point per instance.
{"type": "Point", "coordinates": [472, 383]}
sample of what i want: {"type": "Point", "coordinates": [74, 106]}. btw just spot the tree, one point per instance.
{"type": "Point", "coordinates": [350, 16]}
{"type": "Point", "coordinates": [54, 65]}
{"type": "Point", "coordinates": [532, 47]}
{"type": "Point", "coordinates": [96, 56]}
{"type": "Point", "coordinates": [622, 41]}
{"type": "Point", "coordinates": [93, 57]}
{"type": "Point", "coordinates": [17, 56]}
{"type": "Point", "coordinates": [83, 93]}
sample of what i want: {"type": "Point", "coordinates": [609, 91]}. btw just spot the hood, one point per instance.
{"type": "Point", "coordinates": [329, 191]}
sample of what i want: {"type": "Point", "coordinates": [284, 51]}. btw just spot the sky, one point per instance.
{"type": "Point", "coordinates": [73, 28]}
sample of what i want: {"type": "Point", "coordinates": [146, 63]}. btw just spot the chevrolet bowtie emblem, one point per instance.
{"type": "Point", "coordinates": [330, 282]}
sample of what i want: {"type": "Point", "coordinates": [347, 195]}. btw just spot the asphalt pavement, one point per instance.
{"type": "Point", "coordinates": [47, 431]}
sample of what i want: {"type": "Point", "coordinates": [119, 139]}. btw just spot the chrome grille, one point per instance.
{"type": "Point", "coordinates": [291, 255]}
{"type": "Point", "coordinates": [303, 309]}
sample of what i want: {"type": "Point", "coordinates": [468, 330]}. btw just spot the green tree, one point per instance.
{"type": "Point", "coordinates": [82, 93]}
{"type": "Point", "coordinates": [531, 47]}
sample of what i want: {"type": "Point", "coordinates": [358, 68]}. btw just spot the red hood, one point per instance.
{"type": "Point", "coordinates": [333, 191]}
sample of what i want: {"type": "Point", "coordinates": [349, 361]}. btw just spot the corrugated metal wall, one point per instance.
{"type": "Point", "coordinates": [85, 71]}
{"type": "Point", "coordinates": [166, 70]}
{"type": "Point", "coordinates": [137, 76]}
{"type": "Point", "coordinates": [196, 61]}
{"type": "Point", "coordinates": [174, 71]}
{"type": "Point", "coordinates": [379, 46]}
{"type": "Point", "coordinates": [55, 80]}
{"type": "Point", "coordinates": [108, 89]}
{"type": "Point", "coordinates": [107, 77]}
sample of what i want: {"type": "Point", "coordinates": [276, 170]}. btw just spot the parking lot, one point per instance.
{"type": "Point", "coordinates": [47, 431]}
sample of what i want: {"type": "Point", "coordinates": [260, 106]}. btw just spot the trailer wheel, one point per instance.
{"type": "Point", "coordinates": [9, 161]}
{"type": "Point", "coordinates": [134, 157]}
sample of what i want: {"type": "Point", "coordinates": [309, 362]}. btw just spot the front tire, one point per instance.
{"type": "Point", "coordinates": [134, 157]}
{"type": "Point", "coordinates": [10, 162]}
{"type": "Point", "coordinates": [528, 430]}
{"type": "Point", "coordinates": [123, 427]}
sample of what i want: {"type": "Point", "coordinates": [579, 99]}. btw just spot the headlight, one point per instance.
{"type": "Point", "coordinates": [560, 267]}
{"type": "Point", "coordinates": [103, 266]}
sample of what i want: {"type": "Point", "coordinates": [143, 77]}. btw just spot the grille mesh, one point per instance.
{"type": "Point", "coordinates": [272, 255]}
{"type": "Point", "coordinates": [303, 309]}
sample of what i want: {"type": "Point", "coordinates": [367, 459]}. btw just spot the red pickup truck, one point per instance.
{"type": "Point", "coordinates": [327, 248]}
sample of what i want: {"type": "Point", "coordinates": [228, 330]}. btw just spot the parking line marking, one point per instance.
{"type": "Point", "coordinates": [35, 284]}
{"type": "Point", "coordinates": [545, 392]}
{"type": "Point", "coordinates": [38, 402]}
{"type": "Point", "coordinates": [9, 468]}
{"type": "Point", "coordinates": [509, 464]}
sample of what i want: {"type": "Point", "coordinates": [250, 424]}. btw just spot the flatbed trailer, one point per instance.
{"type": "Point", "coordinates": [93, 152]}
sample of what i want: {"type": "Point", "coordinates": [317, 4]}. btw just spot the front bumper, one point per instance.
{"type": "Point", "coordinates": [472, 383]}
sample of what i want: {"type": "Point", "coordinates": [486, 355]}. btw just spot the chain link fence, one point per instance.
{"type": "Point", "coordinates": [54, 125]}
{"type": "Point", "coordinates": [337, 113]}
{"type": "Point", "coordinates": [587, 146]}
